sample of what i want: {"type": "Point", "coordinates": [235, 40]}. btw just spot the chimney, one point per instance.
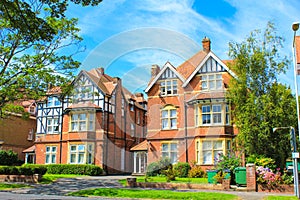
{"type": "Point", "coordinates": [116, 80]}
{"type": "Point", "coordinates": [154, 70]}
{"type": "Point", "coordinates": [100, 70]}
{"type": "Point", "coordinates": [139, 94]}
{"type": "Point", "coordinates": [206, 44]}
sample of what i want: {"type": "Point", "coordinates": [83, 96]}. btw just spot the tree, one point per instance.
{"type": "Point", "coordinates": [260, 102]}
{"type": "Point", "coordinates": [37, 45]}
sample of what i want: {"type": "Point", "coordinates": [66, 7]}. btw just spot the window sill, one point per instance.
{"type": "Point", "coordinates": [174, 129]}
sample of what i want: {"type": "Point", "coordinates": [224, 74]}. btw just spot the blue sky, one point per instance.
{"type": "Point", "coordinates": [127, 36]}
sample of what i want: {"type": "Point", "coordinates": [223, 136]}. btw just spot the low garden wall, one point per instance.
{"type": "Point", "coordinates": [35, 178]}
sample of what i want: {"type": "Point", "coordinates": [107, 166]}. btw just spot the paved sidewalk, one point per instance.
{"type": "Point", "coordinates": [61, 187]}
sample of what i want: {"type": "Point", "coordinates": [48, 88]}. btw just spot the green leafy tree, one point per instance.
{"type": "Point", "coordinates": [260, 102]}
{"type": "Point", "coordinates": [37, 45]}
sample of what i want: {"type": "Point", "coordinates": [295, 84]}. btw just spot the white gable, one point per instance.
{"type": "Point", "coordinates": [168, 71]}
{"type": "Point", "coordinates": [211, 63]}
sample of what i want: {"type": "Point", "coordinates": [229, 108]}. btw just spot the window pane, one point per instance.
{"type": "Point", "coordinates": [204, 85]}
{"type": "Point", "coordinates": [91, 117]}
{"type": "Point", "coordinates": [72, 158]}
{"type": "Point", "coordinates": [80, 158]}
{"type": "Point", "coordinates": [53, 149]}
{"type": "Point", "coordinates": [207, 145]}
{"type": "Point", "coordinates": [219, 84]}
{"type": "Point", "coordinates": [205, 109]}
{"type": "Point", "coordinates": [82, 126]}
{"type": "Point", "coordinates": [47, 149]}
{"type": "Point", "coordinates": [81, 147]}
{"type": "Point", "coordinates": [212, 85]}
{"type": "Point", "coordinates": [216, 108]}
{"type": "Point", "coordinates": [74, 117]}
{"type": "Point", "coordinates": [53, 158]}
{"type": "Point", "coordinates": [173, 147]}
{"type": "Point", "coordinates": [173, 157]}
{"type": "Point", "coordinates": [74, 126]}
{"type": "Point", "coordinates": [173, 123]}
{"type": "Point", "coordinates": [204, 78]}
{"type": "Point", "coordinates": [47, 158]}
{"type": "Point", "coordinates": [164, 114]}
{"type": "Point", "coordinates": [217, 118]}
{"type": "Point", "coordinates": [206, 119]}
{"type": "Point", "coordinates": [73, 148]}
{"type": "Point", "coordinates": [219, 76]}
{"type": "Point", "coordinates": [82, 116]}
{"type": "Point", "coordinates": [173, 113]}
{"type": "Point", "coordinates": [165, 147]}
{"type": "Point", "coordinates": [218, 145]}
{"type": "Point", "coordinates": [211, 77]}
{"type": "Point", "coordinates": [207, 157]}
{"type": "Point", "coordinates": [165, 154]}
{"type": "Point", "coordinates": [165, 124]}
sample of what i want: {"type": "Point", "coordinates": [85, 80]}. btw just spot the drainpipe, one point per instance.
{"type": "Point", "coordinates": [185, 130]}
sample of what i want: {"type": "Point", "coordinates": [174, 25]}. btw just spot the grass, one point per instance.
{"type": "Point", "coordinates": [49, 178]}
{"type": "Point", "coordinates": [162, 179]}
{"type": "Point", "coordinates": [281, 198]}
{"type": "Point", "coordinates": [153, 194]}
{"type": "Point", "coordinates": [8, 186]}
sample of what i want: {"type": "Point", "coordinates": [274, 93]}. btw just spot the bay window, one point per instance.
{"type": "Point", "coordinates": [211, 150]}
{"type": "Point", "coordinates": [212, 114]}
{"type": "Point", "coordinates": [81, 154]}
{"type": "Point", "coordinates": [82, 122]}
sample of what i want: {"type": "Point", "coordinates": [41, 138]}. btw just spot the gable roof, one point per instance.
{"type": "Point", "coordinates": [168, 65]}
{"type": "Point", "coordinates": [189, 66]}
{"type": "Point", "coordinates": [143, 146]}
{"type": "Point", "coordinates": [199, 66]}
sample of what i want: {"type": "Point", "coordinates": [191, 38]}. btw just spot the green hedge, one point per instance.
{"type": "Point", "coordinates": [90, 170]}
{"type": "Point", "coordinates": [23, 170]}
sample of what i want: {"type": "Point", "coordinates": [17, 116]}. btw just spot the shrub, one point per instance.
{"type": "Point", "coordinates": [267, 176]}
{"type": "Point", "coordinates": [158, 168]}
{"type": "Point", "coordinates": [36, 169]}
{"type": "Point", "coordinates": [8, 158]}
{"type": "Point", "coordinates": [196, 172]}
{"type": "Point", "coordinates": [227, 163]}
{"type": "Point", "coordinates": [182, 169]}
{"type": "Point", "coordinates": [91, 170]}
{"type": "Point", "coordinates": [23, 170]}
{"type": "Point", "coordinates": [260, 160]}
{"type": "Point", "coordinates": [170, 174]}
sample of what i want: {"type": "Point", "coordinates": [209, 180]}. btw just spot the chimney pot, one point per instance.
{"type": "Point", "coordinates": [154, 70]}
{"type": "Point", "coordinates": [206, 44]}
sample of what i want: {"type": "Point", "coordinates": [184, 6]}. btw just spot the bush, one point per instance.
{"type": "Point", "coordinates": [36, 169]}
{"type": "Point", "coordinates": [91, 170]}
{"type": "Point", "coordinates": [260, 160]}
{"type": "Point", "coordinates": [227, 163]}
{"type": "Point", "coordinates": [158, 168]}
{"type": "Point", "coordinates": [8, 158]}
{"type": "Point", "coordinates": [153, 169]}
{"type": "Point", "coordinates": [182, 169]}
{"type": "Point", "coordinates": [23, 170]}
{"type": "Point", "coordinates": [196, 172]}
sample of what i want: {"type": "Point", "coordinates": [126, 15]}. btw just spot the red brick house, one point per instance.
{"type": "Point", "coordinates": [188, 113]}
{"type": "Point", "coordinates": [97, 123]}
{"type": "Point", "coordinates": [16, 132]}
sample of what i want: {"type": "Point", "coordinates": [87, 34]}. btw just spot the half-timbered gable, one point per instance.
{"type": "Point", "coordinates": [95, 123]}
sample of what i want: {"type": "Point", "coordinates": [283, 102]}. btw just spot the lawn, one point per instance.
{"type": "Point", "coordinates": [152, 194]}
{"type": "Point", "coordinates": [7, 186]}
{"type": "Point", "coordinates": [162, 179]}
{"type": "Point", "coordinates": [281, 198]}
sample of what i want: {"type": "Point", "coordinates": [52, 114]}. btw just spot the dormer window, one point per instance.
{"type": "Point", "coordinates": [168, 87]}
{"type": "Point", "coordinates": [211, 82]}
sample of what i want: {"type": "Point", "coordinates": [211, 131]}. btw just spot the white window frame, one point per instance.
{"type": "Point", "coordinates": [169, 87]}
{"type": "Point", "coordinates": [169, 118]}
{"type": "Point", "coordinates": [52, 125]}
{"type": "Point", "coordinates": [212, 81]}
{"type": "Point", "coordinates": [50, 155]}
{"type": "Point", "coordinates": [170, 150]}
{"type": "Point", "coordinates": [81, 153]}
{"type": "Point", "coordinates": [78, 123]}
{"type": "Point", "coordinates": [210, 113]}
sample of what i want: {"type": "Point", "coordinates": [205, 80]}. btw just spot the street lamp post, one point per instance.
{"type": "Point", "coordinates": [295, 28]}
{"type": "Point", "coordinates": [295, 156]}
